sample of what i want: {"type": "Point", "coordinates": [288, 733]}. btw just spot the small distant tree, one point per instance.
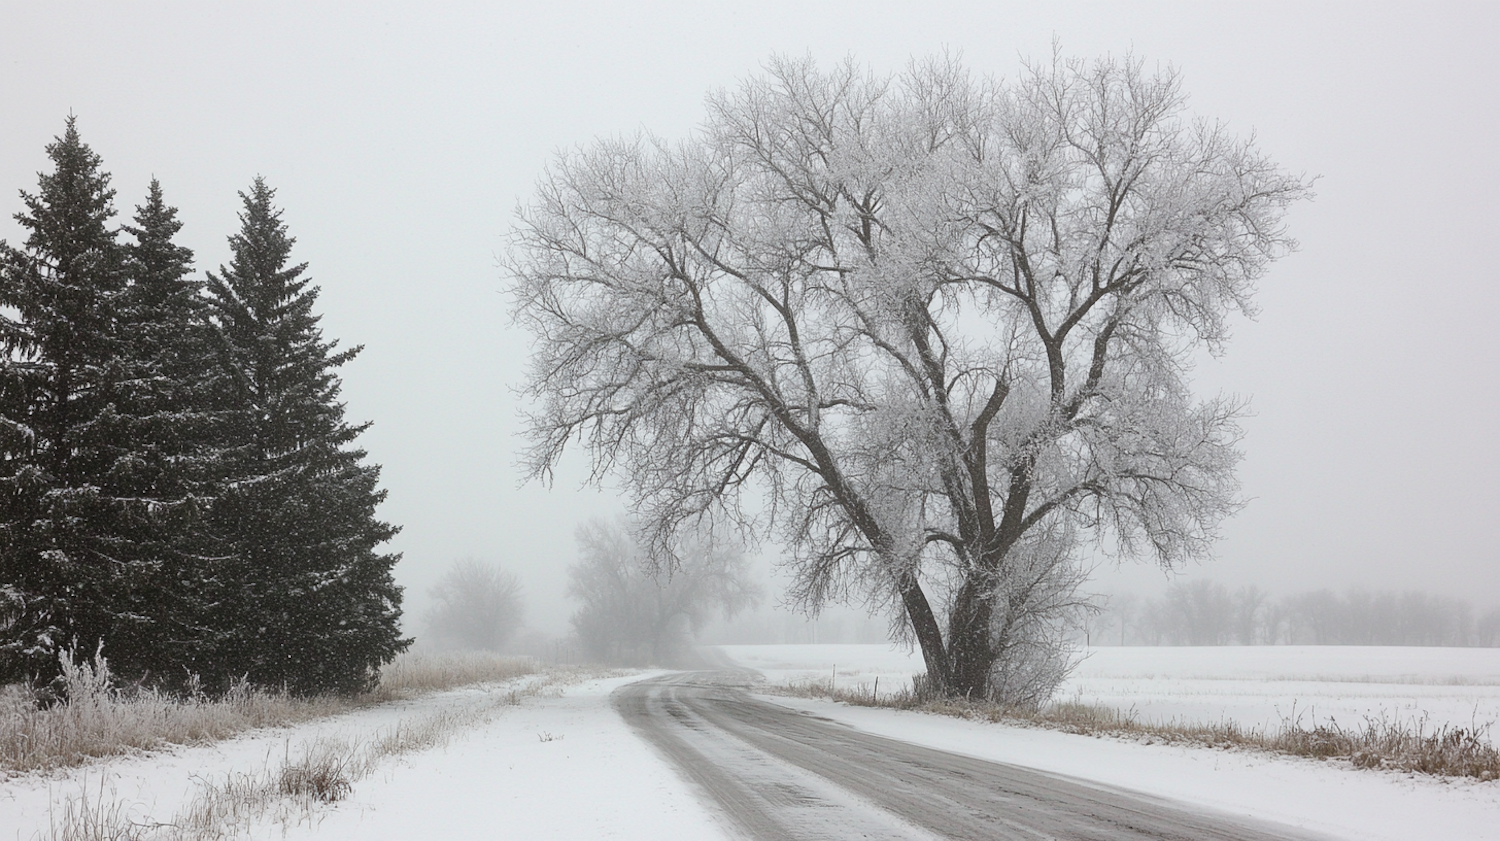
{"type": "Point", "coordinates": [478, 606]}
{"type": "Point", "coordinates": [638, 609]}
{"type": "Point", "coordinates": [1314, 618]}
{"type": "Point", "coordinates": [1125, 610]}
{"type": "Point", "coordinates": [1199, 613]}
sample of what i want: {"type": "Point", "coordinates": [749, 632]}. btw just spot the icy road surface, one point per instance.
{"type": "Point", "coordinates": [783, 774]}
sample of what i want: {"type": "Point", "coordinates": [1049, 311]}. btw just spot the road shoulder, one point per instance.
{"type": "Point", "coordinates": [1317, 796]}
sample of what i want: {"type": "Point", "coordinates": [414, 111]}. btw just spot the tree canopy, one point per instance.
{"type": "Point", "coordinates": [932, 331]}
{"type": "Point", "coordinates": [177, 481]}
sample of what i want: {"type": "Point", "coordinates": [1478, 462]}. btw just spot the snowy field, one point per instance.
{"type": "Point", "coordinates": [1256, 686]}
{"type": "Point", "coordinates": [1445, 685]}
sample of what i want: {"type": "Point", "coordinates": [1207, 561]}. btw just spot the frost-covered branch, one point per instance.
{"type": "Point", "coordinates": [939, 323]}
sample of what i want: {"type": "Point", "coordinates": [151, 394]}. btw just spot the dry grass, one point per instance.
{"type": "Point", "coordinates": [99, 720]}
{"type": "Point", "coordinates": [316, 772]}
{"type": "Point", "coordinates": [1401, 746]}
{"type": "Point", "coordinates": [101, 818]}
{"type": "Point", "coordinates": [323, 774]}
{"type": "Point", "coordinates": [417, 674]}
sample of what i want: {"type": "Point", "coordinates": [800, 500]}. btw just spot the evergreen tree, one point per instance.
{"type": "Point", "coordinates": [306, 601]}
{"type": "Point", "coordinates": [166, 335]}
{"type": "Point", "coordinates": [65, 447]}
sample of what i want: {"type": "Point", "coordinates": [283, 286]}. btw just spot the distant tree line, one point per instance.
{"type": "Point", "coordinates": [177, 479]}
{"type": "Point", "coordinates": [1208, 613]}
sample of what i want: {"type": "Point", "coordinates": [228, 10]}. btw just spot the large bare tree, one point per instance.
{"type": "Point", "coordinates": [931, 330]}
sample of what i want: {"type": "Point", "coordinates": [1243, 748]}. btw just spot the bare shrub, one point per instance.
{"type": "Point", "coordinates": [1037, 612]}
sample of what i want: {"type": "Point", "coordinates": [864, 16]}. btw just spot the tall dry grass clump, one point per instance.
{"type": "Point", "coordinates": [1446, 750]}
{"type": "Point", "coordinates": [100, 719]}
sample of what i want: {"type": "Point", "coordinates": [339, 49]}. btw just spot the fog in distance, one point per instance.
{"type": "Point", "coordinates": [401, 139]}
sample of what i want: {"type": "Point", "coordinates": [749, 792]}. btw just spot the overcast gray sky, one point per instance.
{"type": "Point", "coordinates": [401, 137]}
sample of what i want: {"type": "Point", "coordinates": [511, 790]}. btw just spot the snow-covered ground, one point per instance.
{"type": "Point", "coordinates": [1256, 686]}
{"type": "Point", "coordinates": [1240, 683]}
{"type": "Point", "coordinates": [562, 764]}
{"type": "Point", "coordinates": [564, 767]}
{"type": "Point", "coordinates": [557, 765]}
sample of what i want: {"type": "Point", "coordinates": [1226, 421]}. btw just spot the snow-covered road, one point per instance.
{"type": "Point", "coordinates": [785, 775]}
{"type": "Point", "coordinates": [1331, 797]}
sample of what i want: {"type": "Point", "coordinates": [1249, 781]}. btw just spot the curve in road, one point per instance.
{"type": "Point", "coordinates": [782, 774]}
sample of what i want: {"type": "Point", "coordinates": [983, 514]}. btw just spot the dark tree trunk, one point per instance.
{"type": "Point", "coordinates": [929, 635]}
{"type": "Point", "coordinates": [970, 652]}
